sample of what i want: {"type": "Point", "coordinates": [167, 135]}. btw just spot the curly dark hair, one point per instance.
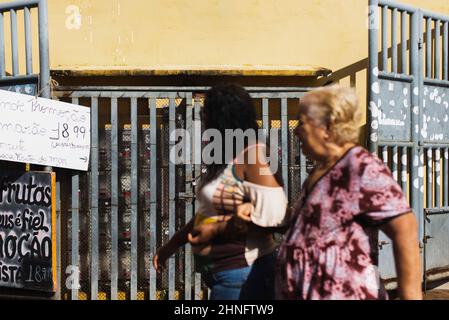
{"type": "Point", "coordinates": [227, 106]}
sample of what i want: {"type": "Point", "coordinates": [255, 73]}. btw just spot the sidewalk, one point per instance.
{"type": "Point", "coordinates": [439, 293]}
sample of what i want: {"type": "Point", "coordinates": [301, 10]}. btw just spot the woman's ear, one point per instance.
{"type": "Point", "coordinates": [326, 134]}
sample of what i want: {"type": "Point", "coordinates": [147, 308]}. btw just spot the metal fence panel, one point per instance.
{"type": "Point", "coordinates": [130, 153]}
{"type": "Point", "coordinates": [417, 99]}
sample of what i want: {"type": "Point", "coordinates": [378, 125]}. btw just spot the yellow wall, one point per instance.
{"type": "Point", "coordinates": [165, 34]}
{"type": "Point", "coordinates": [160, 33]}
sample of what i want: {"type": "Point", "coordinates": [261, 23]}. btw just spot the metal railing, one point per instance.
{"type": "Point", "coordinates": [409, 77]}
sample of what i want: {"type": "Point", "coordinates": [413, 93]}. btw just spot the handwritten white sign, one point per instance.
{"type": "Point", "coordinates": [43, 131]}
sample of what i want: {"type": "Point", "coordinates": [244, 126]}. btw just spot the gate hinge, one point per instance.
{"type": "Point", "coordinates": [420, 44]}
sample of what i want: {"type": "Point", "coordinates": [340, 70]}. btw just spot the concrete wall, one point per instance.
{"type": "Point", "coordinates": [213, 34]}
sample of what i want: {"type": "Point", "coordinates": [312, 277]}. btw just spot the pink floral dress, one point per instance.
{"type": "Point", "coordinates": [330, 249]}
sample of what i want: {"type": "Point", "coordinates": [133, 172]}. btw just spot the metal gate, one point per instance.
{"type": "Point", "coordinates": [23, 78]}
{"type": "Point", "coordinates": [18, 74]}
{"type": "Point", "coordinates": [133, 198]}
{"type": "Point", "coordinates": [408, 96]}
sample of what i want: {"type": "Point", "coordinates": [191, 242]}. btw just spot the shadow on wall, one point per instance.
{"type": "Point", "coordinates": [349, 74]}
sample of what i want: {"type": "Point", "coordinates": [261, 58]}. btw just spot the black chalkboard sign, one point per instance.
{"type": "Point", "coordinates": [27, 216]}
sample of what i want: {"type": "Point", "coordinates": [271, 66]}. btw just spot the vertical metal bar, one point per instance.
{"type": "Point", "coordinates": [429, 46]}
{"type": "Point", "coordinates": [94, 199]}
{"type": "Point", "coordinates": [134, 197]}
{"type": "Point", "coordinates": [385, 155]}
{"type": "Point", "coordinates": [429, 182]}
{"type": "Point", "coordinates": [416, 165]}
{"type": "Point", "coordinates": [14, 43]}
{"type": "Point", "coordinates": [404, 159]}
{"type": "Point", "coordinates": [437, 183]}
{"type": "Point", "coordinates": [417, 154]}
{"type": "Point", "coordinates": [446, 178]}
{"type": "Point", "coordinates": [114, 199]}
{"type": "Point", "coordinates": [75, 223]}
{"type": "Point", "coordinates": [28, 43]}
{"type": "Point", "coordinates": [394, 166]}
{"type": "Point", "coordinates": [373, 74]}
{"type": "Point", "coordinates": [75, 229]}
{"type": "Point", "coordinates": [437, 49]}
{"type": "Point", "coordinates": [404, 16]}
{"type": "Point", "coordinates": [265, 117]}
{"type": "Point", "coordinates": [58, 223]}
{"type": "Point", "coordinates": [353, 80]}
{"type": "Point", "coordinates": [58, 239]}
{"type": "Point", "coordinates": [394, 40]}
{"type": "Point", "coordinates": [424, 253]}
{"type": "Point", "coordinates": [2, 47]}
{"type": "Point", "coordinates": [44, 64]}
{"type": "Point", "coordinates": [385, 38]}
{"type": "Point", "coordinates": [446, 51]}
{"type": "Point", "coordinates": [196, 138]}
{"type": "Point", "coordinates": [153, 193]}
{"type": "Point", "coordinates": [171, 199]}
{"type": "Point", "coordinates": [303, 167]}
{"type": "Point", "coordinates": [284, 133]}
{"type": "Point", "coordinates": [189, 201]}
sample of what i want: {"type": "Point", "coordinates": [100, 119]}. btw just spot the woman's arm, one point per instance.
{"type": "Point", "coordinates": [258, 171]}
{"type": "Point", "coordinates": [403, 233]}
{"type": "Point", "coordinates": [230, 229]}
{"type": "Point", "coordinates": [179, 239]}
{"type": "Point", "coordinates": [244, 213]}
{"type": "Point", "coordinates": [204, 233]}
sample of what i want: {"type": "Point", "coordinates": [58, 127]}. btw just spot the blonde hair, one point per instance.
{"type": "Point", "coordinates": [336, 108]}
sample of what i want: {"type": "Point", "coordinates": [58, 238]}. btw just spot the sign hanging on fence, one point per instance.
{"type": "Point", "coordinates": [27, 231]}
{"type": "Point", "coordinates": [44, 132]}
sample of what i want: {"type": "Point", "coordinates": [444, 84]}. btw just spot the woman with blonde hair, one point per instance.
{"type": "Point", "coordinates": [330, 249]}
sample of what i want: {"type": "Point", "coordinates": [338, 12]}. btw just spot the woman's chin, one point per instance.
{"type": "Point", "coordinates": [305, 150]}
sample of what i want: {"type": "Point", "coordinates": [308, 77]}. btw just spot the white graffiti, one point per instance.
{"type": "Point", "coordinates": [73, 21]}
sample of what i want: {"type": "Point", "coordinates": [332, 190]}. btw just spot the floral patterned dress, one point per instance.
{"type": "Point", "coordinates": [330, 250]}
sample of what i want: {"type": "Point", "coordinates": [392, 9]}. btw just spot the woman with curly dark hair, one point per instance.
{"type": "Point", "coordinates": [239, 260]}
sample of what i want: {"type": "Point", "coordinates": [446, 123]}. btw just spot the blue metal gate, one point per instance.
{"type": "Point", "coordinates": [408, 98]}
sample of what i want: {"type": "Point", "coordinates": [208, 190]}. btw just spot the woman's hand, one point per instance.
{"type": "Point", "coordinates": [244, 211]}
{"type": "Point", "coordinates": [204, 233]}
{"type": "Point", "coordinates": [160, 258]}
{"type": "Point", "coordinates": [169, 248]}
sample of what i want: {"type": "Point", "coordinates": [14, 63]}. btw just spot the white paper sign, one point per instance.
{"type": "Point", "coordinates": [43, 131]}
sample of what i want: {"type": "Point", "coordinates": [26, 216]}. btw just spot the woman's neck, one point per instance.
{"type": "Point", "coordinates": [335, 152]}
